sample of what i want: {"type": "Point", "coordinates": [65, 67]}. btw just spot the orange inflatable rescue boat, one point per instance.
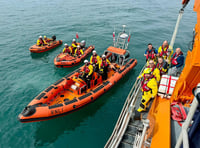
{"type": "Point", "coordinates": [67, 60]}
{"type": "Point", "coordinates": [71, 92]}
{"type": "Point", "coordinates": [38, 49]}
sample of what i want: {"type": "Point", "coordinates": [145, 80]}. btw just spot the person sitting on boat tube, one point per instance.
{"type": "Point", "coordinates": [149, 88]}
{"type": "Point", "coordinates": [66, 49]}
{"type": "Point", "coordinates": [47, 40]}
{"type": "Point", "coordinates": [150, 53]}
{"type": "Point", "coordinates": [155, 71]}
{"type": "Point", "coordinates": [94, 60]}
{"type": "Point", "coordinates": [165, 50]}
{"type": "Point", "coordinates": [162, 65]}
{"type": "Point", "coordinates": [87, 72]}
{"type": "Point", "coordinates": [103, 67]}
{"type": "Point", "coordinates": [78, 51]}
{"type": "Point", "coordinates": [40, 41]}
{"type": "Point", "coordinates": [177, 62]}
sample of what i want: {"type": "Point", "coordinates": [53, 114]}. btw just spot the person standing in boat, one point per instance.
{"type": "Point", "coordinates": [165, 50]}
{"type": "Point", "coordinates": [78, 51]}
{"type": "Point", "coordinates": [162, 65]}
{"type": "Point", "coordinates": [177, 62]}
{"type": "Point", "coordinates": [154, 71]}
{"type": "Point", "coordinates": [94, 60]}
{"type": "Point", "coordinates": [149, 88]}
{"type": "Point", "coordinates": [73, 47]}
{"type": "Point", "coordinates": [66, 49]}
{"type": "Point", "coordinates": [150, 53]}
{"type": "Point", "coordinates": [40, 41]}
{"type": "Point", "coordinates": [103, 67]}
{"type": "Point", "coordinates": [87, 72]}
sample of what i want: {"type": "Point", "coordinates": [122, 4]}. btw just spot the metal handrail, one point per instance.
{"type": "Point", "coordinates": [126, 112]}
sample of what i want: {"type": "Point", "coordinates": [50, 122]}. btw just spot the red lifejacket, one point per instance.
{"type": "Point", "coordinates": [174, 58]}
{"type": "Point", "coordinates": [152, 69]}
{"type": "Point", "coordinates": [47, 40]}
{"type": "Point", "coordinates": [150, 55]}
{"type": "Point", "coordinates": [145, 82]}
{"type": "Point", "coordinates": [86, 69]}
{"type": "Point", "coordinates": [78, 52]}
{"type": "Point", "coordinates": [104, 63]}
{"type": "Point", "coordinates": [67, 50]}
{"type": "Point", "coordinates": [164, 53]}
{"type": "Point", "coordinates": [94, 59]}
{"type": "Point", "coordinates": [41, 41]}
{"type": "Point", "coordinates": [160, 67]}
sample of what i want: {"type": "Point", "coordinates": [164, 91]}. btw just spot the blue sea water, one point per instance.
{"type": "Point", "coordinates": [24, 75]}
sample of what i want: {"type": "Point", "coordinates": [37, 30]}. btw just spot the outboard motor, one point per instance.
{"type": "Point", "coordinates": [54, 37]}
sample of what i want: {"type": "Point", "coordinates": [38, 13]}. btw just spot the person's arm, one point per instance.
{"type": "Point", "coordinates": [91, 70]}
{"type": "Point", "coordinates": [180, 61]}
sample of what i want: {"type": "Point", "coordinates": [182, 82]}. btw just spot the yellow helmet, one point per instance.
{"type": "Point", "coordinates": [45, 36]}
{"type": "Point", "coordinates": [147, 71]}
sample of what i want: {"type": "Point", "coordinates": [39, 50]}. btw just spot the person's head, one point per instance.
{"type": "Point", "coordinates": [86, 62]}
{"type": "Point", "coordinates": [103, 57]}
{"type": "Point", "coordinates": [178, 50]}
{"type": "Point", "coordinates": [73, 40]}
{"type": "Point", "coordinates": [151, 63]}
{"type": "Point", "coordinates": [40, 37]}
{"type": "Point", "coordinates": [45, 37]}
{"type": "Point", "coordinates": [160, 59]}
{"type": "Point", "coordinates": [165, 43]}
{"type": "Point", "coordinates": [147, 72]}
{"type": "Point", "coordinates": [78, 47]}
{"type": "Point", "coordinates": [94, 52]}
{"type": "Point", "coordinates": [82, 43]}
{"type": "Point", "coordinates": [66, 45]}
{"type": "Point", "coordinates": [150, 46]}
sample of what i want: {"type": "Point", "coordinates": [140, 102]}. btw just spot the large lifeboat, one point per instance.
{"type": "Point", "coordinates": [71, 92]}
{"type": "Point", "coordinates": [67, 60]}
{"type": "Point", "coordinates": [173, 117]}
{"type": "Point", "coordinates": [51, 45]}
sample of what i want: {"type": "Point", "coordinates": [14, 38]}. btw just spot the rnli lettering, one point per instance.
{"type": "Point", "coordinates": [57, 111]}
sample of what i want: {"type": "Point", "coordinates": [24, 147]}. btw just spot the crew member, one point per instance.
{"type": "Point", "coordinates": [66, 49]}
{"type": "Point", "coordinates": [87, 72]}
{"type": "Point", "coordinates": [94, 60]}
{"type": "Point", "coordinates": [177, 62]}
{"type": "Point", "coordinates": [40, 41]}
{"type": "Point", "coordinates": [165, 51]}
{"type": "Point", "coordinates": [150, 53]}
{"type": "Point", "coordinates": [154, 71]}
{"type": "Point", "coordinates": [47, 40]}
{"type": "Point", "coordinates": [73, 47]}
{"type": "Point", "coordinates": [162, 65]}
{"type": "Point", "coordinates": [149, 88]}
{"type": "Point", "coordinates": [78, 51]}
{"type": "Point", "coordinates": [103, 67]}
{"type": "Point", "coordinates": [82, 44]}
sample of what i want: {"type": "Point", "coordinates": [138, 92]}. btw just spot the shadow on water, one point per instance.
{"type": "Point", "coordinates": [49, 131]}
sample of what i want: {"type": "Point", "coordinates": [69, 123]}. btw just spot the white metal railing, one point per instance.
{"type": "Point", "coordinates": [125, 115]}
{"type": "Point", "coordinates": [183, 137]}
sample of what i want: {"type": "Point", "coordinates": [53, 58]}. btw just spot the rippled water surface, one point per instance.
{"type": "Point", "coordinates": [24, 75]}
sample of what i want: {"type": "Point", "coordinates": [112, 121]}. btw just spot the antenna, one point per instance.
{"type": "Point", "coordinates": [124, 26]}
